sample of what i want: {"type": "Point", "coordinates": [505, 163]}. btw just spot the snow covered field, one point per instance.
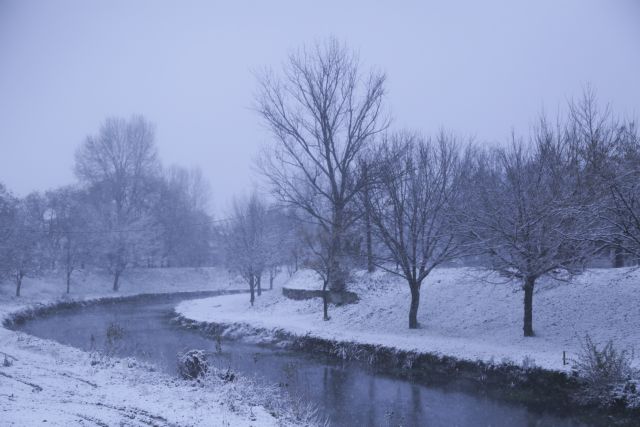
{"type": "Point", "coordinates": [462, 314]}
{"type": "Point", "coordinates": [52, 383]}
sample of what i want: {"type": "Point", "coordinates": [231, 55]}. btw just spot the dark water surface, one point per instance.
{"type": "Point", "coordinates": [348, 393]}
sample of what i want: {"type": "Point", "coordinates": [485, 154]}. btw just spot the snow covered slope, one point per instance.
{"type": "Point", "coordinates": [463, 313]}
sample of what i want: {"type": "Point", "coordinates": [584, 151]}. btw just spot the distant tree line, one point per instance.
{"type": "Point", "coordinates": [125, 210]}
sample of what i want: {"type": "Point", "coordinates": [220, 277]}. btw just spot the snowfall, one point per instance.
{"type": "Point", "coordinates": [465, 313]}
{"type": "Point", "coordinates": [51, 383]}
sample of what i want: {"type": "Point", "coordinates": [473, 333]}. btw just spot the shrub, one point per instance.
{"type": "Point", "coordinates": [114, 333]}
{"type": "Point", "coordinates": [192, 364]}
{"type": "Point", "coordinates": [7, 361]}
{"type": "Point", "coordinates": [228, 376]}
{"type": "Point", "coordinates": [113, 339]}
{"type": "Point", "coordinates": [603, 372]}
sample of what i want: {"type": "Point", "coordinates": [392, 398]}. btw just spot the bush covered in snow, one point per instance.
{"type": "Point", "coordinates": [192, 364]}
{"type": "Point", "coordinates": [606, 375]}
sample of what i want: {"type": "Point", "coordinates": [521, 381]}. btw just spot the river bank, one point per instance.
{"type": "Point", "coordinates": [43, 381]}
{"type": "Point", "coordinates": [469, 327]}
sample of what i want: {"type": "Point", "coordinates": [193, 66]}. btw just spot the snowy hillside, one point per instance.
{"type": "Point", "coordinates": [463, 313]}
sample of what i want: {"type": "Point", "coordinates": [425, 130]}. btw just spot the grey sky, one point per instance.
{"type": "Point", "coordinates": [479, 68]}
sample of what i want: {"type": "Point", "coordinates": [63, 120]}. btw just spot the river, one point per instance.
{"type": "Point", "coordinates": [348, 393]}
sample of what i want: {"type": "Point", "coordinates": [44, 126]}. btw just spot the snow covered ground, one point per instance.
{"type": "Point", "coordinates": [463, 313]}
{"type": "Point", "coordinates": [52, 383]}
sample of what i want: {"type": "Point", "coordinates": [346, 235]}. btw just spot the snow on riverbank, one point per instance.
{"type": "Point", "coordinates": [461, 314]}
{"type": "Point", "coordinates": [53, 383]}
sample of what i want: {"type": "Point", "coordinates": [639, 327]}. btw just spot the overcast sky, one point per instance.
{"type": "Point", "coordinates": [480, 68]}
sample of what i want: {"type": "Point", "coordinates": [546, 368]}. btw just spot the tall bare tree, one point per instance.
{"type": "Point", "coordinates": [118, 165]}
{"type": "Point", "coordinates": [323, 111]}
{"type": "Point", "coordinates": [412, 204]}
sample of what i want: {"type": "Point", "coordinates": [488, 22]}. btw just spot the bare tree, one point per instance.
{"type": "Point", "coordinates": [317, 256]}
{"type": "Point", "coordinates": [24, 254]}
{"type": "Point", "coordinates": [72, 225]}
{"type": "Point", "coordinates": [411, 205]}
{"type": "Point", "coordinates": [246, 241]}
{"type": "Point", "coordinates": [366, 214]}
{"type": "Point", "coordinates": [181, 214]}
{"type": "Point", "coordinates": [609, 160]}
{"type": "Point", "coordinates": [8, 212]}
{"type": "Point", "coordinates": [526, 213]}
{"type": "Point", "coordinates": [323, 112]}
{"type": "Point", "coordinates": [118, 165]}
{"type": "Point", "coordinates": [620, 198]}
{"type": "Point", "coordinates": [280, 241]}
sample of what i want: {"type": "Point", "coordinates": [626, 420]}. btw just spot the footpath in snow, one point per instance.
{"type": "Point", "coordinates": [462, 314]}
{"type": "Point", "coordinates": [51, 383]}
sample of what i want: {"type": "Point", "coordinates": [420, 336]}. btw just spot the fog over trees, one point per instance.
{"type": "Point", "coordinates": [346, 191]}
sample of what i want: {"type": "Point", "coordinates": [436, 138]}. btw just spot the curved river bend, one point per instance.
{"type": "Point", "coordinates": [348, 393]}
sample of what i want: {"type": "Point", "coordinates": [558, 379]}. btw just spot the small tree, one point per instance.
{"type": "Point", "coordinates": [71, 224]}
{"type": "Point", "coordinates": [8, 212]}
{"type": "Point", "coordinates": [246, 241]}
{"type": "Point", "coordinates": [527, 213]}
{"type": "Point", "coordinates": [411, 205]}
{"type": "Point", "coordinates": [183, 222]}
{"type": "Point", "coordinates": [280, 242]}
{"type": "Point", "coordinates": [25, 254]}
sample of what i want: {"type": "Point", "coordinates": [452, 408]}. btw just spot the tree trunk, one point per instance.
{"type": "Point", "coordinates": [618, 257]}
{"type": "Point", "coordinates": [336, 273]}
{"type": "Point", "coordinates": [116, 281]}
{"type": "Point", "coordinates": [415, 302]}
{"type": "Point", "coordinates": [528, 306]}
{"type": "Point", "coordinates": [367, 222]}
{"type": "Point", "coordinates": [259, 283]}
{"type": "Point", "coordinates": [69, 280]}
{"type": "Point", "coordinates": [272, 276]}
{"type": "Point", "coordinates": [18, 283]}
{"type": "Point", "coordinates": [325, 301]}
{"type": "Point", "coordinates": [251, 288]}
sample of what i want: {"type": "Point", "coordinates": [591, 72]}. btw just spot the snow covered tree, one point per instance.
{"type": "Point", "coordinates": [608, 153]}
{"type": "Point", "coordinates": [25, 253]}
{"type": "Point", "coordinates": [412, 203]}
{"type": "Point", "coordinates": [72, 225]}
{"type": "Point", "coordinates": [119, 166]}
{"type": "Point", "coordinates": [280, 241]}
{"type": "Point", "coordinates": [8, 212]}
{"type": "Point", "coordinates": [246, 241]}
{"type": "Point", "coordinates": [620, 201]}
{"type": "Point", "coordinates": [527, 214]}
{"type": "Point", "coordinates": [323, 111]}
{"type": "Point", "coordinates": [181, 213]}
